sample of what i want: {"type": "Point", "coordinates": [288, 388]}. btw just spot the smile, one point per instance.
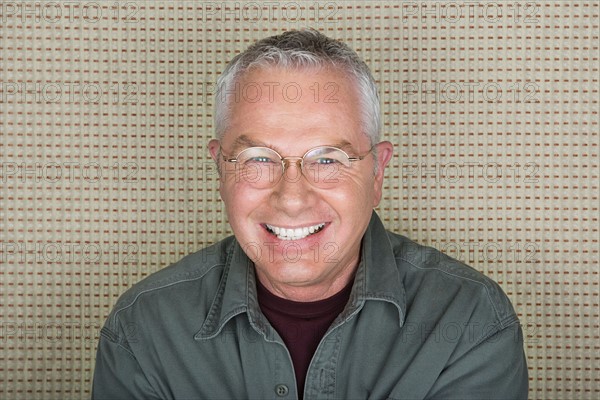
{"type": "Point", "coordinates": [294, 234]}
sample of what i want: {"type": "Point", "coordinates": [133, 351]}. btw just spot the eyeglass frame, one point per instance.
{"type": "Point", "coordinates": [296, 158]}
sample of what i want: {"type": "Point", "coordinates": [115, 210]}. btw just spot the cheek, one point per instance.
{"type": "Point", "coordinates": [352, 203]}
{"type": "Point", "coordinates": [240, 200]}
{"type": "Point", "coordinates": [357, 189]}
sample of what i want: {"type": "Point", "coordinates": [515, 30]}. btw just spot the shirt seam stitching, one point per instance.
{"type": "Point", "coordinates": [178, 281]}
{"type": "Point", "coordinates": [503, 324]}
{"type": "Point", "coordinates": [127, 351]}
{"type": "Point", "coordinates": [489, 296]}
{"type": "Point", "coordinates": [116, 343]}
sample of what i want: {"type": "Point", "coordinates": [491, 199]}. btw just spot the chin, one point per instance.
{"type": "Point", "coordinates": [293, 274]}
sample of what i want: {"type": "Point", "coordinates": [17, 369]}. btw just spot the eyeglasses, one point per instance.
{"type": "Point", "coordinates": [323, 166]}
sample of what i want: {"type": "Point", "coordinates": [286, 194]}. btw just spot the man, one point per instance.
{"type": "Point", "coordinates": [312, 298]}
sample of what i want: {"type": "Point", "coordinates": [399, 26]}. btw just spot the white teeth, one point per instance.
{"type": "Point", "coordinates": [294, 234]}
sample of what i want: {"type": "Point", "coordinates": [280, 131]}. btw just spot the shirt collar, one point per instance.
{"type": "Point", "coordinates": [377, 278]}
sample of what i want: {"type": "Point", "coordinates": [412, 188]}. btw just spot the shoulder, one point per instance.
{"type": "Point", "coordinates": [195, 276]}
{"type": "Point", "coordinates": [449, 283]}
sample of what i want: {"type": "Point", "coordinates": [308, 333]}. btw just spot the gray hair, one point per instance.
{"type": "Point", "coordinates": [302, 49]}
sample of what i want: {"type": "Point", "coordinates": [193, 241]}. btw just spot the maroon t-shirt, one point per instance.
{"type": "Point", "coordinates": [301, 325]}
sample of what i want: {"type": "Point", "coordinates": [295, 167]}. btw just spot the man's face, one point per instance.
{"type": "Point", "coordinates": [295, 111]}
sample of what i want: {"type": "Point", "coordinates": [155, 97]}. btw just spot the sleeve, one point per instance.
{"type": "Point", "coordinates": [117, 374]}
{"type": "Point", "coordinates": [496, 368]}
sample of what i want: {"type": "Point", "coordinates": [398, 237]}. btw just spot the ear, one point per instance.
{"type": "Point", "coordinates": [384, 155]}
{"type": "Point", "coordinates": [213, 147]}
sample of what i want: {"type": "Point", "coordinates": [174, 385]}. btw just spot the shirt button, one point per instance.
{"type": "Point", "coordinates": [281, 390]}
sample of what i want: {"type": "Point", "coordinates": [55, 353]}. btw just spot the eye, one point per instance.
{"type": "Point", "coordinates": [260, 159]}
{"type": "Point", "coordinates": [326, 156]}
{"type": "Point", "coordinates": [324, 160]}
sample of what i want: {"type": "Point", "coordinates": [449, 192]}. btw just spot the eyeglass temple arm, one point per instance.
{"type": "Point", "coordinates": [358, 158]}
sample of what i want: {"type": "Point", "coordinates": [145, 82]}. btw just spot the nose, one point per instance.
{"type": "Point", "coordinates": [293, 194]}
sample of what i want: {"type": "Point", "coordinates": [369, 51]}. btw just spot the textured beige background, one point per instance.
{"type": "Point", "coordinates": [106, 109]}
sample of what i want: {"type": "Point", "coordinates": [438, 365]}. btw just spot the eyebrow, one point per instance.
{"type": "Point", "coordinates": [244, 141]}
{"type": "Point", "coordinates": [344, 145]}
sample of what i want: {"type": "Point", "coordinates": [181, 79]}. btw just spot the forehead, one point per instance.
{"type": "Point", "coordinates": [294, 108]}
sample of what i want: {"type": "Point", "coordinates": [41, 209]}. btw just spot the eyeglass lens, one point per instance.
{"type": "Point", "coordinates": [263, 167]}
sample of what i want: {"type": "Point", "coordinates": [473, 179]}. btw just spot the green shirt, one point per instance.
{"type": "Point", "coordinates": [418, 325]}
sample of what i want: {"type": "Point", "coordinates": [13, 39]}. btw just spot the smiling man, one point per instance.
{"type": "Point", "coordinates": [275, 205]}
{"type": "Point", "coordinates": [311, 298]}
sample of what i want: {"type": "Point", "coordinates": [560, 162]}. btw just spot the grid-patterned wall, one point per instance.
{"type": "Point", "coordinates": [106, 110]}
